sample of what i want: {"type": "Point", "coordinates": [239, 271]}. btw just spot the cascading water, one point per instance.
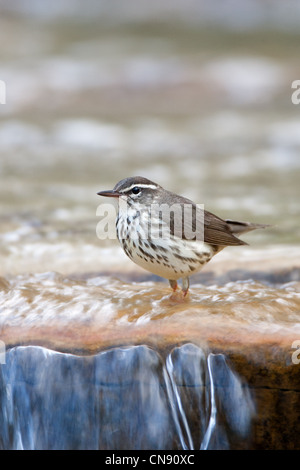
{"type": "Point", "coordinates": [122, 398]}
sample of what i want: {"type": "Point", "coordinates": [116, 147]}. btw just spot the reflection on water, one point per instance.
{"type": "Point", "coordinates": [123, 398]}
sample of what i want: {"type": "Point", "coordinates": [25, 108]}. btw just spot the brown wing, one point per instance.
{"type": "Point", "coordinates": [194, 221]}
{"type": "Point", "coordinates": [218, 232]}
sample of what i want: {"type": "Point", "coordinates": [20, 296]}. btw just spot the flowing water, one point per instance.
{"type": "Point", "coordinates": [122, 398]}
{"type": "Point", "coordinates": [205, 112]}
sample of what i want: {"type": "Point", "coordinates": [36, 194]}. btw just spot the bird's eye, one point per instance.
{"type": "Point", "coordinates": [136, 190]}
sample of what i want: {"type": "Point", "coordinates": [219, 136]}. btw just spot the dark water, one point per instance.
{"type": "Point", "coordinates": [123, 398]}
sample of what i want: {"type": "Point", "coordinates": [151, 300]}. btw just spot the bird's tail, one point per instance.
{"type": "Point", "coordinates": [237, 228]}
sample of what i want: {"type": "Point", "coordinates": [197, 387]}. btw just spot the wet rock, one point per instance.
{"type": "Point", "coordinates": [223, 344]}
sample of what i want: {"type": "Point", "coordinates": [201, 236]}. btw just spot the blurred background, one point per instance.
{"type": "Point", "coordinates": [194, 95]}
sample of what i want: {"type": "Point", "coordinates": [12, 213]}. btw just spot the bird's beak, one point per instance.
{"type": "Point", "coordinates": [109, 193]}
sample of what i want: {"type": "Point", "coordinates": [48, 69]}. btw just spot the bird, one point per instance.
{"type": "Point", "coordinates": [167, 234]}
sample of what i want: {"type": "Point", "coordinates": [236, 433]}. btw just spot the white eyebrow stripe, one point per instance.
{"type": "Point", "coordinates": [139, 185]}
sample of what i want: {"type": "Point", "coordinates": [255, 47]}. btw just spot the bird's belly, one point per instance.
{"type": "Point", "coordinates": [168, 259]}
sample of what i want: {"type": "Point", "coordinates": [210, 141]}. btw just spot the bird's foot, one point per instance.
{"type": "Point", "coordinates": [179, 295]}
{"type": "Point", "coordinates": [185, 286]}
{"type": "Point", "coordinates": [185, 292]}
{"type": "Point", "coordinates": [173, 284]}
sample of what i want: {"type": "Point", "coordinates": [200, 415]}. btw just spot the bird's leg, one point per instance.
{"type": "Point", "coordinates": [185, 285]}
{"type": "Point", "coordinates": [173, 284]}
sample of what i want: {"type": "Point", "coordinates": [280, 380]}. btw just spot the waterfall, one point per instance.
{"type": "Point", "coordinates": [122, 398]}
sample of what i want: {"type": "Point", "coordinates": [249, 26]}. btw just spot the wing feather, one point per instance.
{"type": "Point", "coordinates": [197, 223]}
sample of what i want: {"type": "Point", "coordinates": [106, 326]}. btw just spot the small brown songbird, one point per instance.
{"type": "Point", "coordinates": [167, 234]}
